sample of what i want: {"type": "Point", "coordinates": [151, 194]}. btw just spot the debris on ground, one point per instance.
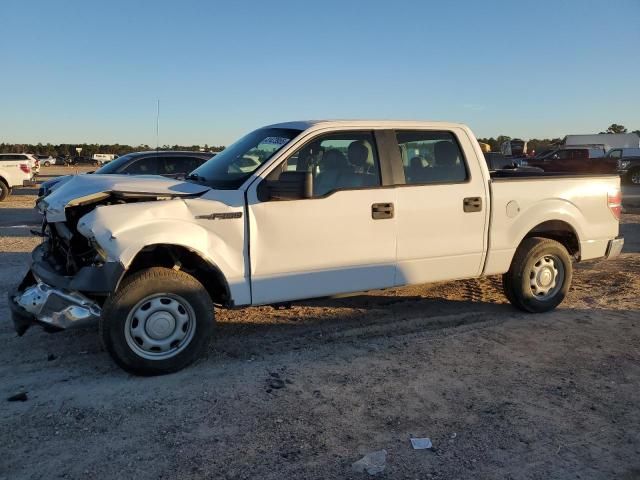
{"type": "Point", "coordinates": [372, 463]}
{"type": "Point", "coordinates": [421, 443]}
{"type": "Point", "coordinates": [276, 383]}
{"type": "Point", "coordinates": [18, 397]}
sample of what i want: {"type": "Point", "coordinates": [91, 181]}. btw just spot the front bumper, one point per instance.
{"type": "Point", "coordinates": [52, 308]}
{"type": "Point", "coordinates": [29, 183]}
{"type": "Point", "coordinates": [54, 301]}
{"type": "Point", "coordinates": [614, 248]}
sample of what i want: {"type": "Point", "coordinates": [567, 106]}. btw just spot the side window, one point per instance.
{"type": "Point", "coordinates": [174, 165]}
{"type": "Point", "coordinates": [338, 161]}
{"type": "Point", "coordinates": [144, 166]}
{"type": "Point", "coordinates": [431, 157]}
{"type": "Point", "coordinates": [615, 154]}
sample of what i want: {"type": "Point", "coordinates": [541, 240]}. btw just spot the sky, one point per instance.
{"type": "Point", "coordinates": [88, 71]}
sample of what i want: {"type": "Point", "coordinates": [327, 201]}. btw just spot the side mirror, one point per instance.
{"type": "Point", "coordinates": [290, 186]}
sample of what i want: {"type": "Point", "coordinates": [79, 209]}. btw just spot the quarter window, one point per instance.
{"type": "Point", "coordinates": [431, 157]}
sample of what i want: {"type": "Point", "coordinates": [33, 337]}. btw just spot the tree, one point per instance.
{"type": "Point", "coordinates": [615, 128]}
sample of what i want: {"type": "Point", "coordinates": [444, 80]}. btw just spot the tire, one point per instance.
{"type": "Point", "coordinates": [5, 191]}
{"type": "Point", "coordinates": [96, 164]}
{"type": "Point", "coordinates": [169, 298]}
{"type": "Point", "coordinates": [633, 177]}
{"type": "Point", "coordinates": [47, 164]}
{"type": "Point", "coordinates": [540, 275]}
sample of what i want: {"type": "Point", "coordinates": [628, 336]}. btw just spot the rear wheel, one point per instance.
{"type": "Point", "coordinates": [159, 321]}
{"type": "Point", "coordinates": [47, 163]}
{"type": "Point", "coordinates": [5, 191]}
{"type": "Point", "coordinates": [540, 275]}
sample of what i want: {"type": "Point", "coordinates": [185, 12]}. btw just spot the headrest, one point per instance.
{"type": "Point", "coordinates": [446, 154]}
{"type": "Point", "coordinates": [358, 153]}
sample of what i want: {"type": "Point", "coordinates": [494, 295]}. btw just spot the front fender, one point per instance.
{"type": "Point", "coordinates": [124, 230]}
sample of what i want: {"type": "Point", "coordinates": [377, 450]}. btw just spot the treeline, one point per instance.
{"type": "Point", "coordinates": [89, 149]}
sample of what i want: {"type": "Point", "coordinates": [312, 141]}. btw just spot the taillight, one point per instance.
{"type": "Point", "coordinates": [614, 199]}
{"type": "Point", "coordinates": [25, 168]}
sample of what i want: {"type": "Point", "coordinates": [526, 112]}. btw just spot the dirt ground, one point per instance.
{"type": "Point", "coordinates": [305, 392]}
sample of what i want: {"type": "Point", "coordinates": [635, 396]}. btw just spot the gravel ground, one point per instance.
{"type": "Point", "coordinates": [305, 392]}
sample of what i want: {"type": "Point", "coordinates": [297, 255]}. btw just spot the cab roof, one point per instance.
{"type": "Point", "coordinates": [373, 124]}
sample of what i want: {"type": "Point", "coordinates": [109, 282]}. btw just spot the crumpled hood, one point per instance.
{"type": "Point", "coordinates": [85, 189]}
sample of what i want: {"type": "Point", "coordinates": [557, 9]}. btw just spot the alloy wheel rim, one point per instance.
{"type": "Point", "coordinates": [160, 326]}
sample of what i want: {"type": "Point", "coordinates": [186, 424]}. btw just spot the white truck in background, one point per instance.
{"type": "Point", "coordinates": [15, 171]}
{"type": "Point", "coordinates": [605, 141]}
{"type": "Point", "coordinates": [322, 208]}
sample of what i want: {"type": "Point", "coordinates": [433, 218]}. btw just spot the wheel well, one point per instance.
{"type": "Point", "coordinates": [188, 261]}
{"type": "Point", "coordinates": [559, 231]}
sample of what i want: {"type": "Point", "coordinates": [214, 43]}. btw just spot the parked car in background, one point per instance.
{"type": "Point", "coordinates": [31, 160]}
{"type": "Point", "coordinates": [330, 207]}
{"type": "Point", "coordinates": [46, 160]}
{"type": "Point", "coordinates": [100, 159]}
{"type": "Point", "coordinates": [15, 171]}
{"type": "Point", "coordinates": [514, 148]}
{"type": "Point", "coordinates": [172, 164]}
{"type": "Point", "coordinates": [497, 161]}
{"type": "Point", "coordinates": [575, 160]}
{"type": "Point", "coordinates": [629, 170]}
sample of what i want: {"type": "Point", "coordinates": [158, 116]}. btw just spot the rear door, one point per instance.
{"type": "Point", "coordinates": [441, 211]}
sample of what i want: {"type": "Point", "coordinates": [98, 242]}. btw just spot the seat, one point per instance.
{"type": "Point", "coordinates": [361, 161]}
{"type": "Point", "coordinates": [416, 170]}
{"type": "Point", "coordinates": [333, 169]}
{"type": "Point", "coordinates": [446, 167]}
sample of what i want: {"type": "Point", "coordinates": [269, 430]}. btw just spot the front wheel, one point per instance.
{"type": "Point", "coordinates": [540, 275]}
{"type": "Point", "coordinates": [159, 321]}
{"type": "Point", "coordinates": [47, 164]}
{"type": "Point", "coordinates": [634, 176]}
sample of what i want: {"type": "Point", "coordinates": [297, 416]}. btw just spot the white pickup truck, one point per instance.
{"type": "Point", "coordinates": [15, 171]}
{"type": "Point", "coordinates": [300, 210]}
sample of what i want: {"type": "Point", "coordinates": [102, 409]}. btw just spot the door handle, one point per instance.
{"type": "Point", "coordinates": [381, 211]}
{"type": "Point", "coordinates": [472, 204]}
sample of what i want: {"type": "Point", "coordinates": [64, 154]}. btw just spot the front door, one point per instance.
{"type": "Point", "coordinates": [340, 240]}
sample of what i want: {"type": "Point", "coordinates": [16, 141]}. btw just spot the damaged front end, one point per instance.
{"type": "Point", "coordinates": [67, 283]}
{"type": "Point", "coordinates": [71, 275]}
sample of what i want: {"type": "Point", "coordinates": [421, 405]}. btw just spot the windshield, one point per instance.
{"type": "Point", "coordinates": [114, 165]}
{"type": "Point", "coordinates": [231, 167]}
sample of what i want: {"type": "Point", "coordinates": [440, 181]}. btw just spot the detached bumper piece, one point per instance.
{"type": "Point", "coordinates": [52, 308]}
{"type": "Point", "coordinates": [53, 301]}
{"type": "Point", "coordinates": [29, 183]}
{"type": "Point", "coordinates": [614, 248]}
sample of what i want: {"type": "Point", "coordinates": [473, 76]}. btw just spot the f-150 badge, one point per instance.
{"type": "Point", "coordinates": [220, 216]}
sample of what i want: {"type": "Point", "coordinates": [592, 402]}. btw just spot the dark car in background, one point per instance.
{"type": "Point", "coordinates": [172, 164]}
{"type": "Point", "coordinates": [628, 160]}
{"type": "Point", "coordinates": [575, 160]}
{"type": "Point", "coordinates": [497, 161]}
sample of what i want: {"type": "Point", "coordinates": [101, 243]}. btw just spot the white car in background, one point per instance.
{"type": "Point", "coordinates": [30, 159]}
{"type": "Point", "coordinates": [15, 171]}
{"type": "Point", "coordinates": [46, 160]}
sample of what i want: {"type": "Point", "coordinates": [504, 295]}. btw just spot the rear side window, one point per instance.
{"type": "Point", "coordinates": [431, 157]}
{"type": "Point", "coordinates": [615, 154]}
{"type": "Point", "coordinates": [144, 166]}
